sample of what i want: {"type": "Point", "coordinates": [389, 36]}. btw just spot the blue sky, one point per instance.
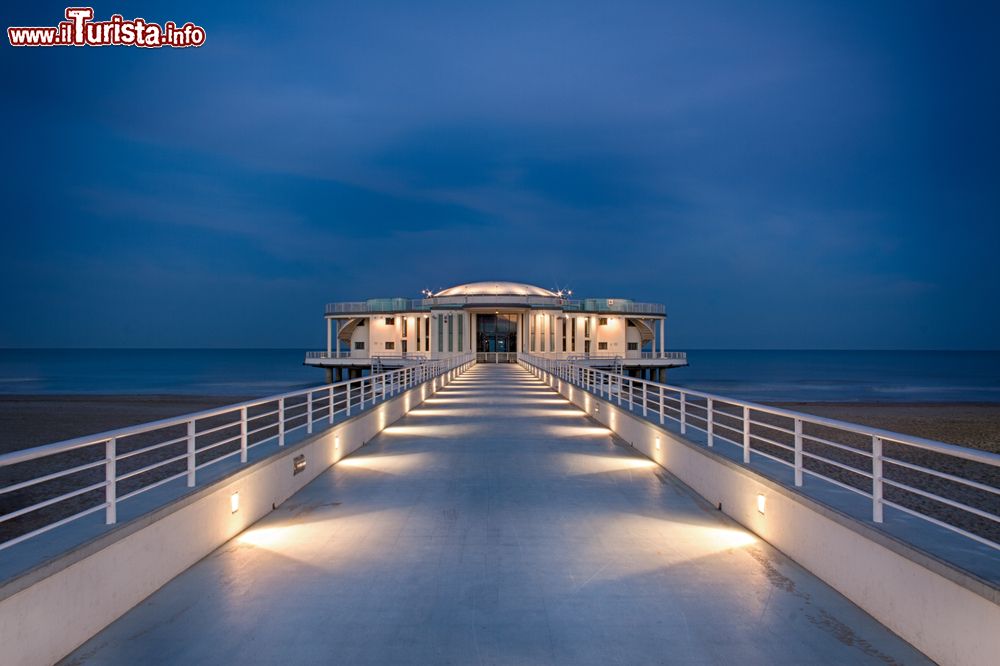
{"type": "Point", "coordinates": [780, 174]}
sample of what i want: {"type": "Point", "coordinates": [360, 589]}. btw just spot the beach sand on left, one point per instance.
{"type": "Point", "coordinates": [32, 420]}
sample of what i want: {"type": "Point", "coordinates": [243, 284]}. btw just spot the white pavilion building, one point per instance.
{"type": "Point", "coordinates": [497, 320]}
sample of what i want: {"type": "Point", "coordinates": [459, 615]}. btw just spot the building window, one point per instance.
{"type": "Point", "coordinates": [403, 326]}
{"type": "Point", "coordinates": [461, 326]}
{"type": "Point", "coordinates": [602, 321]}
{"type": "Point", "coordinates": [602, 345]}
{"type": "Point", "coordinates": [359, 344]}
{"type": "Point", "coordinates": [390, 345]}
{"type": "Point", "coordinates": [586, 327]}
{"type": "Point", "coordinates": [390, 321]}
{"type": "Point", "coordinates": [361, 322]}
{"type": "Point", "coordinates": [633, 346]}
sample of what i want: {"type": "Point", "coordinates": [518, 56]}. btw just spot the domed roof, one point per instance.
{"type": "Point", "coordinates": [496, 289]}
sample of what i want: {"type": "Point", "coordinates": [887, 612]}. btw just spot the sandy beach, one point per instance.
{"type": "Point", "coordinates": [972, 424]}
{"type": "Point", "coordinates": [32, 420]}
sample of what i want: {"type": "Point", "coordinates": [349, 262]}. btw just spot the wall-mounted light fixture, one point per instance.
{"type": "Point", "coordinates": [298, 464]}
{"type": "Point", "coordinates": [234, 502]}
{"type": "Point", "coordinates": [761, 504]}
{"type": "Point", "coordinates": [657, 443]}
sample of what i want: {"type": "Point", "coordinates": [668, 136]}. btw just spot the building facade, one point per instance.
{"type": "Point", "coordinates": [497, 320]}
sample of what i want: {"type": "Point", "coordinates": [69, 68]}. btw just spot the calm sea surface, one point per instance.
{"type": "Point", "coordinates": [754, 375]}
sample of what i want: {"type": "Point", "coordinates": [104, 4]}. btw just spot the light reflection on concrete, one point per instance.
{"type": "Point", "coordinates": [584, 463]}
{"type": "Point", "coordinates": [576, 430]}
{"type": "Point", "coordinates": [389, 464]}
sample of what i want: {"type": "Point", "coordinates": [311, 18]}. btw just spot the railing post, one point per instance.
{"type": "Point", "coordinates": [877, 479]}
{"type": "Point", "coordinates": [746, 435]}
{"type": "Point", "coordinates": [710, 417]}
{"type": "Point", "coordinates": [191, 464]}
{"type": "Point", "coordinates": [684, 416]}
{"type": "Point", "coordinates": [111, 481]}
{"type": "Point", "coordinates": [662, 410]}
{"type": "Point", "coordinates": [309, 412]}
{"type": "Point", "coordinates": [243, 434]}
{"type": "Point", "coordinates": [348, 397]}
{"type": "Point", "coordinates": [281, 421]}
{"type": "Point", "coordinates": [644, 398]}
{"type": "Point", "coordinates": [621, 387]}
{"type": "Point", "coordinates": [798, 452]}
{"type": "Point", "coordinates": [330, 415]}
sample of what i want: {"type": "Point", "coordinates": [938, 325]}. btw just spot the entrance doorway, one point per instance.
{"type": "Point", "coordinates": [496, 333]}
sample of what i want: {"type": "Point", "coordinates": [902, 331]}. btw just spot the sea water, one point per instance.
{"type": "Point", "coordinates": [897, 376]}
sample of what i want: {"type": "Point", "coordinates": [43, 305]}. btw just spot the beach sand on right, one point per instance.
{"type": "Point", "coordinates": [972, 424]}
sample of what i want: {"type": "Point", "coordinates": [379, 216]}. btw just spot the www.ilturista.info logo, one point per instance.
{"type": "Point", "coordinates": [79, 29]}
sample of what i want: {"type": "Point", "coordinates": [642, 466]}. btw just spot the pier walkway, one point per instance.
{"type": "Point", "coordinates": [496, 523]}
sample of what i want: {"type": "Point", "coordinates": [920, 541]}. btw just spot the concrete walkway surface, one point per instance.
{"type": "Point", "coordinates": [496, 524]}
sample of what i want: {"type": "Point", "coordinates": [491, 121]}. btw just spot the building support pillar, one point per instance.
{"type": "Point", "coordinates": [337, 323]}
{"type": "Point", "coordinates": [329, 337]}
{"type": "Point", "coordinates": [329, 375]}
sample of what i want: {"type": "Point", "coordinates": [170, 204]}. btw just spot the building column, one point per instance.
{"type": "Point", "coordinates": [338, 338]}
{"type": "Point", "coordinates": [329, 337]}
{"type": "Point", "coordinates": [552, 334]}
{"type": "Point", "coordinates": [663, 347]}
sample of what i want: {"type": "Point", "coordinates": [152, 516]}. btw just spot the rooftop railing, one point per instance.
{"type": "Point", "coordinates": [615, 305]}
{"type": "Point", "coordinates": [950, 486]}
{"type": "Point", "coordinates": [375, 306]}
{"type": "Point", "coordinates": [593, 305]}
{"type": "Point", "coordinates": [48, 486]}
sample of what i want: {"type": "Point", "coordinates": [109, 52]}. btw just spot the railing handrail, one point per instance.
{"type": "Point", "coordinates": [594, 380]}
{"type": "Point", "coordinates": [859, 428]}
{"type": "Point", "coordinates": [33, 453]}
{"type": "Point", "coordinates": [320, 403]}
{"type": "Point", "coordinates": [347, 356]}
{"type": "Point", "coordinates": [589, 306]}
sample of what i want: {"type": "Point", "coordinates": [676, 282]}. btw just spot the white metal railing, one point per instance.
{"type": "Point", "coordinates": [669, 355]}
{"type": "Point", "coordinates": [77, 477]}
{"type": "Point", "coordinates": [496, 357]}
{"type": "Point", "coordinates": [584, 357]}
{"type": "Point", "coordinates": [598, 306]}
{"type": "Point", "coordinates": [954, 487]}
{"type": "Point", "coordinates": [415, 357]}
{"type": "Point", "coordinates": [499, 299]}
{"type": "Point", "coordinates": [375, 306]}
{"type": "Point", "coordinates": [594, 306]}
